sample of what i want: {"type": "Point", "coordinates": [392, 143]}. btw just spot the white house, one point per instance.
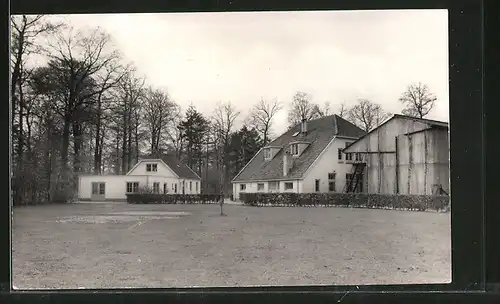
{"type": "Point", "coordinates": [307, 158]}
{"type": "Point", "coordinates": [162, 174]}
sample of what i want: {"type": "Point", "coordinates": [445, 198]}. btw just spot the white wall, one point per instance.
{"type": "Point", "coordinates": [160, 179]}
{"type": "Point", "coordinates": [251, 187]}
{"type": "Point", "coordinates": [115, 185]}
{"type": "Point", "coordinates": [328, 162]}
{"type": "Point", "coordinates": [187, 188]}
{"type": "Point", "coordinates": [163, 170]}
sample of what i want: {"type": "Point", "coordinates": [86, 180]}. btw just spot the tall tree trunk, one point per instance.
{"type": "Point", "coordinates": [77, 142]}
{"type": "Point", "coordinates": [124, 144]}
{"type": "Point", "coordinates": [117, 163]}
{"type": "Point", "coordinates": [101, 145]}
{"type": "Point", "coordinates": [48, 155]}
{"type": "Point", "coordinates": [16, 71]}
{"type": "Point", "coordinates": [136, 138]}
{"type": "Point", "coordinates": [97, 147]}
{"type": "Point", "coordinates": [129, 144]}
{"type": "Point", "coordinates": [64, 174]}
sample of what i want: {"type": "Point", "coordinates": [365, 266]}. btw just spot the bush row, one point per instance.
{"type": "Point", "coordinates": [155, 198]}
{"type": "Point", "coordinates": [353, 200]}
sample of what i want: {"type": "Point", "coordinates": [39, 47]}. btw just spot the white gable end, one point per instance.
{"type": "Point", "coordinates": [141, 168]}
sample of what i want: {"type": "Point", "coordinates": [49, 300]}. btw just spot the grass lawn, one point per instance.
{"type": "Point", "coordinates": [118, 245]}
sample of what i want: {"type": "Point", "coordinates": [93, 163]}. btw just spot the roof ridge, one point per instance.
{"type": "Point", "coordinates": [418, 118]}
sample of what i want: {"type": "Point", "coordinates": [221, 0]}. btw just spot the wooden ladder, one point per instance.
{"type": "Point", "coordinates": [356, 177]}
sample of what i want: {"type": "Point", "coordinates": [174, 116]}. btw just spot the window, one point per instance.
{"type": "Point", "coordinates": [165, 188]}
{"type": "Point", "coordinates": [95, 188]}
{"type": "Point", "coordinates": [294, 149]}
{"type": "Point", "coordinates": [267, 153]}
{"type": "Point", "coordinates": [98, 188]}
{"type": "Point", "coordinates": [331, 181]}
{"type": "Point", "coordinates": [243, 187]}
{"type": "Point", "coordinates": [260, 187]}
{"type": "Point", "coordinates": [190, 186]}
{"type": "Point", "coordinates": [196, 186]}
{"type": "Point", "coordinates": [358, 157]}
{"type": "Point", "coordinates": [156, 187]}
{"type": "Point", "coordinates": [273, 186]}
{"type": "Point", "coordinates": [348, 156]}
{"type": "Point", "coordinates": [132, 187]}
{"type": "Point", "coordinates": [152, 167]}
{"type": "Point", "coordinates": [288, 186]}
{"type": "Point", "coordinates": [175, 188]}
{"type": "Point", "coordinates": [339, 154]}
{"type": "Point", "coordinates": [316, 185]}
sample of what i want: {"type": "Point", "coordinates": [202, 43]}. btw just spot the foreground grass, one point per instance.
{"type": "Point", "coordinates": [251, 246]}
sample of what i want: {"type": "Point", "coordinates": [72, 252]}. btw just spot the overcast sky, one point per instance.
{"type": "Point", "coordinates": [204, 58]}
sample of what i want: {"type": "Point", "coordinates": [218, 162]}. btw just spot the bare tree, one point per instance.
{"type": "Point", "coordinates": [321, 111]}
{"type": "Point", "coordinates": [125, 114]}
{"type": "Point", "coordinates": [24, 31]}
{"type": "Point", "coordinates": [343, 110]}
{"type": "Point", "coordinates": [418, 100]}
{"type": "Point", "coordinates": [366, 115]}
{"type": "Point", "coordinates": [302, 108]}
{"type": "Point", "coordinates": [223, 123]}
{"type": "Point", "coordinates": [261, 117]}
{"type": "Point", "coordinates": [76, 60]}
{"type": "Point", "coordinates": [159, 112]}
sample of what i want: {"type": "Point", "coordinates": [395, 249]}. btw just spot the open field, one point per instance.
{"type": "Point", "coordinates": [116, 245]}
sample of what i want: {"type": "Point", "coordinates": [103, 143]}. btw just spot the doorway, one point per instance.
{"type": "Point", "coordinates": [98, 191]}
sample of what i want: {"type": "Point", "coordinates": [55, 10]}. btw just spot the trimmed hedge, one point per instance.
{"type": "Point", "coordinates": [155, 198]}
{"type": "Point", "coordinates": [353, 200]}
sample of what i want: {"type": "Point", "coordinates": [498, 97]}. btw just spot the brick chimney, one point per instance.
{"type": "Point", "coordinates": [303, 126]}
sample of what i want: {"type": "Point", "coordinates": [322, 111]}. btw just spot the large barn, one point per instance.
{"type": "Point", "coordinates": [404, 155]}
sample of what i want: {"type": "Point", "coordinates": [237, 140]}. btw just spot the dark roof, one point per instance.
{"type": "Point", "coordinates": [430, 122]}
{"type": "Point", "coordinates": [181, 169]}
{"type": "Point", "coordinates": [319, 133]}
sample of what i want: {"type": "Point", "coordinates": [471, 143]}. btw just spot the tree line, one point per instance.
{"type": "Point", "coordinates": [86, 110]}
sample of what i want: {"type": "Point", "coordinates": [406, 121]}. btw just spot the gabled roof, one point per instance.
{"type": "Point", "coordinates": [179, 168]}
{"type": "Point", "coordinates": [319, 134]}
{"type": "Point", "coordinates": [430, 123]}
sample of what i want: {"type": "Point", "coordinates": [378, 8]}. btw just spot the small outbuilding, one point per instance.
{"type": "Point", "coordinates": [404, 155]}
{"type": "Point", "coordinates": [161, 174]}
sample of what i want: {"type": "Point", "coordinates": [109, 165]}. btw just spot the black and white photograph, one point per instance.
{"type": "Point", "coordinates": [230, 149]}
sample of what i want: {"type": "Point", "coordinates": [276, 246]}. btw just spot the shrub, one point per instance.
{"type": "Point", "coordinates": [157, 198]}
{"type": "Point", "coordinates": [354, 200]}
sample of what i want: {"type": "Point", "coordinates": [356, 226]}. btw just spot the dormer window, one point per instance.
{"type": "Point", "coordinates": [294, 149]}
{"type": "Point", "coordinates": [152, 167]}
{"type": "Point", "coordinates": [267, 153]}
